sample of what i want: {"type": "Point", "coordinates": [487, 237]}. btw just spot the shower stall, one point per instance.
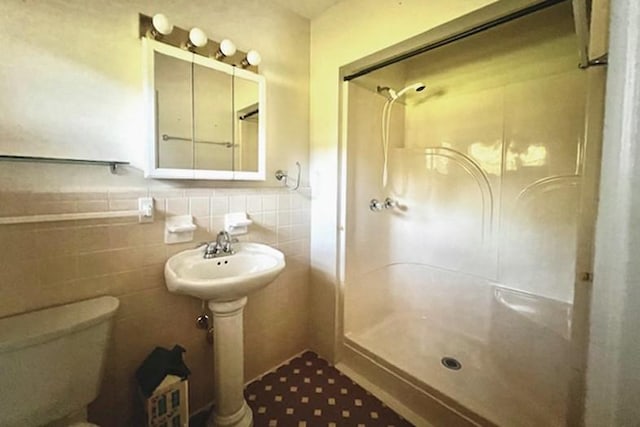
{"type": "Point", "coordinates": [466, 170]}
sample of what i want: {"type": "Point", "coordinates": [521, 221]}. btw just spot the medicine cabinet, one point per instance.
{"type": "Point", "coordinates": [205, 119]}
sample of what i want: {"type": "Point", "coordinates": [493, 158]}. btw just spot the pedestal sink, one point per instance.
{"type": "Point", "coordinates": [225, 281]}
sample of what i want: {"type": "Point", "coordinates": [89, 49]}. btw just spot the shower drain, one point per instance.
{"type": "Point", "coordinates": [451, 363]}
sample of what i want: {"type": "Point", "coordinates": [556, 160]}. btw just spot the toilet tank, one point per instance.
{"type": "Point", "coordinates": [51, 360]}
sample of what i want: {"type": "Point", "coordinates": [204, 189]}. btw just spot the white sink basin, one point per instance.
{"type": "Point", "coordinates": [252, 267]}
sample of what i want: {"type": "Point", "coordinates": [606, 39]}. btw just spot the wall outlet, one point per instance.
{"type": "Point", "coordinates": [145, 210]}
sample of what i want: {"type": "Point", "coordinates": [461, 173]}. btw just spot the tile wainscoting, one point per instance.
{"type": "Point", "coordinates": [46, 264]}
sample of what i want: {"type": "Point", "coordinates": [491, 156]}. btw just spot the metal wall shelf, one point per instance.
{"type": "Point", "coordinates": [113, 164]}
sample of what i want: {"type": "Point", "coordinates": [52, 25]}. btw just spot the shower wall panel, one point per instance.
{"type": "Point", "coordinates": [492, 180]}
{"type": "Point", "coordinates": [372, 237]}
{"type": "Point", "coordinates": [450, 193]}
{"type": "Point", "coordinates": [543, 146]}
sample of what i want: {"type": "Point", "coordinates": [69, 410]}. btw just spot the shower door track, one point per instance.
{"type": "Point", "coordinates": [455, 37]}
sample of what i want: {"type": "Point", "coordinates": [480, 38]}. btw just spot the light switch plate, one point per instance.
{"type": "Point", "coordinates": [145, 210]}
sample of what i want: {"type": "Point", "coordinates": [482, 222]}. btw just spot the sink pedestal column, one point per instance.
{"type": "Point", "coordinates": [230, 408]}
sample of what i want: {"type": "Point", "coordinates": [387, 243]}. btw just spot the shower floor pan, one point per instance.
{"type": "Point", "coordinates": [501, 377]}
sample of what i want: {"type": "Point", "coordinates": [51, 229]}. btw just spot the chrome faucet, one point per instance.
{"type": "Point", "coordinates": [223, 241]}
{"type": "Point", "coordinates": [221, 247]}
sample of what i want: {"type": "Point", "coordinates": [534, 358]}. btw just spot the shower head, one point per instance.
{"type": "Point", "coordinates": [418, 87]}
{"type": "Point", "coordinates": [392, 95]}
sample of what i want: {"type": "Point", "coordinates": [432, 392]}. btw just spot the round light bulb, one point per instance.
{"type": "Point", "coordinates": [253, 57]}
{"type": "Point", "coordinates": [227, 47]}
{"type": "Point", "coordinates": [197, 37]}
{"type": "Point", "coordinates": [161, 24]}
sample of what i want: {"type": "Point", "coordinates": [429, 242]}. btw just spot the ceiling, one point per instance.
{"type": "Point", "coordinates": [307, 8]}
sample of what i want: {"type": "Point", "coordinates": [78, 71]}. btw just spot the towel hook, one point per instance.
{"type": "Point", "coordinates": [282, 175]}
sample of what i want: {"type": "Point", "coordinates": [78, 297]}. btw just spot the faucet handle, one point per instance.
{"type": "Point", "coordinates": [224, 241]}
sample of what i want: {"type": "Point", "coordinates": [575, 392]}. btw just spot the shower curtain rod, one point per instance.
{"type": "Point", "coordinates": [455, 37]}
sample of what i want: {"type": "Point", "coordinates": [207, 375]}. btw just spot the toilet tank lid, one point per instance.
{"type": "Point", "coordinates": [47, 324]}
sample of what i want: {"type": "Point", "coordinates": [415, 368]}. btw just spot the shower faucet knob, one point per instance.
{"type": "Point", "coordinates": [389, 203]}
{"type": "Point", "coordinates": [376, 205]}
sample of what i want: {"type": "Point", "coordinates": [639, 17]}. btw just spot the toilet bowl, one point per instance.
{"type": "Point", "coordinates": [51, 363]}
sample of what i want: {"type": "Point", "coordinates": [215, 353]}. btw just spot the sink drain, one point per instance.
{"type": "Point", "coordinates": [451, 363]}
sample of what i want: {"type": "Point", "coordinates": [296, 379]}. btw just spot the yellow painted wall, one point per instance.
{"type": "Point", "coordinates": [71, 83]}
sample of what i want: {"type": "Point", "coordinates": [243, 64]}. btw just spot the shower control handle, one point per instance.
{"type": "Point", "coordinates": [376, 205]}
{"type": "Point", "coordinates": [389, 203]}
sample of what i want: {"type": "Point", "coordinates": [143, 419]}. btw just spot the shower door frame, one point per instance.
{"type": "Point", "coordinates": [483, 18]}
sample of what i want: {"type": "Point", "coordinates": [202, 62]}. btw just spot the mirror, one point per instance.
{"type": "Point", "coordinates": [205, 118]}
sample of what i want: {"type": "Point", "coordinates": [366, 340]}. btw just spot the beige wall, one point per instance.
{"type": "Point", "coordinates": [346, 32]}
{"type": "Point", "coordinates": [55, 263]}
{"type": "Point", "coordinates": [72, 82]}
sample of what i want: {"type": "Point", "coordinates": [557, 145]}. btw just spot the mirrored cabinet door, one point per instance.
{"type": "Point", "coordinates": [213, 119]}
{"type": "Point", "coordinates": [247, 123]}
{"type": "Point", "coordinates": [206, 119]}
{"type": "Point", "coordinates": [173, 112]}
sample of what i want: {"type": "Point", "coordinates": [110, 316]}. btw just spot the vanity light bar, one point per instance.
{"type": "Point", "coordinates": [196, 41]}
